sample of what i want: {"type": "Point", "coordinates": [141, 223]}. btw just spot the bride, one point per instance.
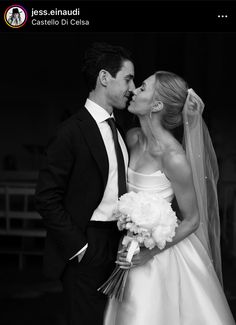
{"type": "Point", "coordinates": [181, 284]}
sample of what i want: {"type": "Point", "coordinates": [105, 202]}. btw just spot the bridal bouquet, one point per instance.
{"type": "Point", "coordinates": [149, 221]}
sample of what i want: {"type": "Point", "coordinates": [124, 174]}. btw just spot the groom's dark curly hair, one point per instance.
{"type": "Point", "coordinates": [103, 56]}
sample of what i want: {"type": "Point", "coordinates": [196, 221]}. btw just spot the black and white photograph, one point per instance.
{"type": "Point", "coordinates": [117, 163]}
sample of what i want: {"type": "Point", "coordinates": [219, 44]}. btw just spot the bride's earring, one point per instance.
{"type": "Point", "coordinates": [150, 115]}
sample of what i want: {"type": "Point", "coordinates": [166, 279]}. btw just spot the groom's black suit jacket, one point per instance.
{"type": "Point", "coordinates": [71, 185]}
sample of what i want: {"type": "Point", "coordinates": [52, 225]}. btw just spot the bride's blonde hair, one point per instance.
{"type": "Point", "coordinates": [172, 90]}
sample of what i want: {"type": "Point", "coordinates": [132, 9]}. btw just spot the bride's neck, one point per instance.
{"type": "Point", "coordinates": [154, 135]}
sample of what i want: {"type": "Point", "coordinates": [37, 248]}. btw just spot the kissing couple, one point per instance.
{"type": "Point", "coordinates": [89, 164]}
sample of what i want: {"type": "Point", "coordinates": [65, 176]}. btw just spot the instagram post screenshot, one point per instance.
{"type": "Point", "coordinates": [117, 163]}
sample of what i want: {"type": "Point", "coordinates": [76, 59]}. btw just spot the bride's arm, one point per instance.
{"type": "Point", "coordinates": [178, 171]}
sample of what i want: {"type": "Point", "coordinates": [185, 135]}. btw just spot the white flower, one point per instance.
{"type": "Point", "coordinates": [149, 242]}
{"type": "Point", "coordinates": [147, 217]}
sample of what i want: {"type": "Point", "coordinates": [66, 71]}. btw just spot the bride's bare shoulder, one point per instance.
{"type": "Point", "coordinates": [132, 136]}
{"type": "Point", "coordinates": [176, 165]}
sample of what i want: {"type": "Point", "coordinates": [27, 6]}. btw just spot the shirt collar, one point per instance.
{"type": "Point", "coordinates": [98, 113]}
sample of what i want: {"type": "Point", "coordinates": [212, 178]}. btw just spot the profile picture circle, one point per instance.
{"type": "Point", "coordinates": [15, 16]}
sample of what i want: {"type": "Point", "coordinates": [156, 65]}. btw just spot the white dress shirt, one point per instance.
{"type": "Point", "coordinates": [104, 212]}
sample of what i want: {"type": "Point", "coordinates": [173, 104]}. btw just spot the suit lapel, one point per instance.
{"type": "Point", "coordinates": [95, 142]}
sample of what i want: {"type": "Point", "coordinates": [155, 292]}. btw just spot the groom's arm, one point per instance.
{"type": "Point", "coordinates": [50, 193]}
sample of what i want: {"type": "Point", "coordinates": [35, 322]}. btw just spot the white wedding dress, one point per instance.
{"type": "Point", "coordinates": [177, 287]}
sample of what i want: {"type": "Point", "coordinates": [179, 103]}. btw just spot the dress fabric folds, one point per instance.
{"type": "Point", "coordinates": [177, 287]}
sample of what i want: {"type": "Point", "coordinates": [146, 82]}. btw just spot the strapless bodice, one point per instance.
{"type": "Point", "coordinates": [156, 182]}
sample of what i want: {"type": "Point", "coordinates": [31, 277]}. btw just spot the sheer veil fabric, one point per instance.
{"type": "Point", "coordinates": [202, 158]}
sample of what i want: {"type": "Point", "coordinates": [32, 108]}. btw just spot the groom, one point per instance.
{"type": "Point", "coordinates": [78, 187]}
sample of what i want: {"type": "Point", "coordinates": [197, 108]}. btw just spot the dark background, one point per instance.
{"type": "Point", "coordinates": [41, 82]}
{"type": "Point", "coordinates": [41, 85]}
